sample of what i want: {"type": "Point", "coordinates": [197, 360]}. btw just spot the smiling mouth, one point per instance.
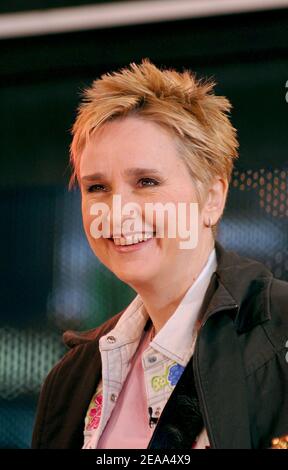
{"type": "Point", "coordinates": [132, 240]}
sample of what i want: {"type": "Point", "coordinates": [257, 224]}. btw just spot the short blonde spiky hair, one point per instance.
{"type": "Point", "coordinates": [194, 115]}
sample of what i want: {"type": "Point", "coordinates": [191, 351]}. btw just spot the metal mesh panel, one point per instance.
{"type": "Point", "coordinates": [16, 422]}
{"type": "Point", "coordinates": [255, 222]}
{"type": "Point", "coordinates": [26, 356]}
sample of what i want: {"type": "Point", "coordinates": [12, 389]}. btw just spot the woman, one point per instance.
{"type": "Point", "coordinates": [197, 360]}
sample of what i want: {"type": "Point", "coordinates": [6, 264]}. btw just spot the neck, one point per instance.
{"type": "Point", "coordinates": [162, 296]}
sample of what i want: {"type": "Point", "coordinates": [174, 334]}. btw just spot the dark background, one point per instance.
{"type": "Point", "coordinates": [50, 280]}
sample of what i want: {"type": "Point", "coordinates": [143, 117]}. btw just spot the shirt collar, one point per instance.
{"type": "Point", "coordinates": [176, 339]}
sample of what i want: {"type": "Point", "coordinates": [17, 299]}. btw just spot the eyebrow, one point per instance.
{"type": "Point", "coordinates": [127, 172]}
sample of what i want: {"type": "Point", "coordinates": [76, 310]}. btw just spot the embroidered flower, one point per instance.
{"type": "Point", "coordinates": [94, 413]}
{"type": "Point", "coordinates": [175, 373]}
{"type": "Point", "coordinates": [170, 378]}
{"type": "Point", "coordinates": [158, 382]}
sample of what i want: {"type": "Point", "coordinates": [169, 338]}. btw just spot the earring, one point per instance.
{"type": "Point", "coordinates": [210, 222]}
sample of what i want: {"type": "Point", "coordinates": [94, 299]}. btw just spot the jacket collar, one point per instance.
{"type": "Point", "coordinates": [241, 285]}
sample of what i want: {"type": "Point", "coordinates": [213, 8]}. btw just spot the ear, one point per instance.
{"type": "Point", "coordinates": [215, 200]}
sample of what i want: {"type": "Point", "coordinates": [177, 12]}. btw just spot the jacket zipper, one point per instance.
{"type": "Point", "coordinates": [198, 384]}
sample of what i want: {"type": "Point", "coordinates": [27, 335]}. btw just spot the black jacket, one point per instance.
{"type": "Point", "coordinates": [240, 364]}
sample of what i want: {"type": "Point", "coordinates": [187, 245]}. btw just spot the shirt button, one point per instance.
{"type": "Point", "coordinates": [113, 397]}
{"type": "Point", "coordinates": [158, 411]}
{"type": "Point", "coordinates": [152, 359]}
{"type": "Point", "coordinates": [111, 339]}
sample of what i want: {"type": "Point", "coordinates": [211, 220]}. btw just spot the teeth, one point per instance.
{"type": "Point", "coordinates": [132, 239]}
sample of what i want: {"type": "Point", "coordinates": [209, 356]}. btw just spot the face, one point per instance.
{"type": "Point", "coordinates": [136, 160]}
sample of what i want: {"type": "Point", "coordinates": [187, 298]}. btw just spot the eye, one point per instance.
{"type": "Point", "coordinates": [149, 181]}
{"type": "Point", "coordinates": [95, 188]}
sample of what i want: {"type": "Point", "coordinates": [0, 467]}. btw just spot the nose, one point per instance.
{"type": "Point", "coordinates": [125, 215]}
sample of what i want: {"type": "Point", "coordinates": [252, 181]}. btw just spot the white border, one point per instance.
{"type": "Point", "coordinates": [86, 17]}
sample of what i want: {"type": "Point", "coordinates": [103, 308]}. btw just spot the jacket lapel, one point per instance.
{"type": "Point", "coordinates": [179, 423]}
{"type": "Point", "coordinates": [221, 391]}
{"type": "Point", "coordinates": [221, 381]}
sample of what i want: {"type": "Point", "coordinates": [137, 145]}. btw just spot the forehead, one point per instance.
{"type": "Point", "coordinates": [127, 140]}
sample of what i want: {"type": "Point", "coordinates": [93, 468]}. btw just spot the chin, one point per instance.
{"type": "Point", "coordinates": [134, 277]}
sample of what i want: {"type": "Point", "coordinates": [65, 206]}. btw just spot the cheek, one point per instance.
{"type": "Point", "coordinates": [183, 217]}
{"type": "Point", "coordinates": [86, 219]}
{"type": "Point", "coordinates": [91, 219]}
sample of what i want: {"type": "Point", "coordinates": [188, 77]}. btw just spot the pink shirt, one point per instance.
{"type": "Point", "coordinates": [129, 417]}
